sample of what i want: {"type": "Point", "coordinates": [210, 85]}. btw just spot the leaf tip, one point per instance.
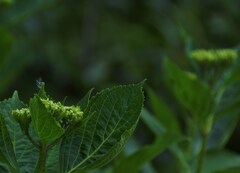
{"type": "Point", "coordinates": [142, 82]}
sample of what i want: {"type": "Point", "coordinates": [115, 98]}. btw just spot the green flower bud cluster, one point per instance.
{"type": "Point", "coordinates": [24, 112]}
{"type": "Point", "coordinates": [65, 115]}
{"type": "Point", "coordinates": [213, 64]}
{"type": "Point", "coordinates": [218, 57]}
{"type": "Point", "coordinates": [23, 116]}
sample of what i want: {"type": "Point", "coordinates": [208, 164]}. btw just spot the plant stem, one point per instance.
{"type": "Point", "coordinates": [42, 159]}
{"type": "Point", "coordinates": [202, 153]}
{"type": "Point", "coordinates": [192, 135]}
{"type": "Point", "coordinates": [205, 132]}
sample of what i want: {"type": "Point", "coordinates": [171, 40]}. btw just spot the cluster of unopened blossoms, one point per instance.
{"type": "Point", "coordinates": [65, 115]}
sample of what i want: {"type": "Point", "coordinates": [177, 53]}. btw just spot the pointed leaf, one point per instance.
{"type": "Point", "coordinates": [25, 152]}
{"type": "Point", "coordinates": [47, 128]}
{"type": "Point", "coordinates": [190, 92]}
{"type": "Point", "coordinates": [113, 117]}
{"type": "Point", "coordinates": [42, 93]}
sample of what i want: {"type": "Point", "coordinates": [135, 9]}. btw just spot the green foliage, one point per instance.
{"type": "Point", "coordinates": [88, 142]}
{"type": "Point", "coordinates": [158, 129]}
{"type": "Point", "coordinates": [24, 151]}
{"type": "Point", "coordinates": [99, 44]}
{"type": "Point", "coordinates": [209, 111]}
{"type": "Point", "coordinates": [220, 160]}
{"type": "Point", "coordinates": [7, 152]}
{"type": "Point", "coordinates": [191, 93]}
{"type": "Point", "coordinates": [110, 120]}
{"type": "Point", "coordinates": [134, 162]}
{"type": "Point", "coordinates": [47, 128]}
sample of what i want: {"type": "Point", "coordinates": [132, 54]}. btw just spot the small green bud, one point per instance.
{"type": "Point", "coordinates": [65, 115]}
{"type": "Point", "coordinates": [216, 57]}
{"type": "Point", "coordinates": [22, 116]}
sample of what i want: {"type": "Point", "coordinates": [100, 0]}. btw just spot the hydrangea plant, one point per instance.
{"type": "Point", "coordinates": [46, 136]}
{"type": "Point", "coordinates": [200, 95]}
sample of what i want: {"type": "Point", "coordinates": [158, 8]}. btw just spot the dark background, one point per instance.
{"type": "Point", "coordinates": [74, 46]}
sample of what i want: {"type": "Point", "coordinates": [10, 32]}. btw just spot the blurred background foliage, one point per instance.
{"type": "Point", "coordinates": [76, 45]}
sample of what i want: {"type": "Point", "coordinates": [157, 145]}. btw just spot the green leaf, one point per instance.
{"type": "Point", "coordinates": [134, 162]}
{"type": "Point", "coordinates": [190, 92]}
{"type": "Point", "coordinates": [162, 112]}
{"type": "Point", "coordinates": [46, 127]}
{"type": "Point", "coordinates": [6, 147]}
{"type": "Point", "coordinates": [114, 114]}
{"type": "Point", "coordinates": [42, 93]}
{"type": "Point", "coordinates": [25, 152]}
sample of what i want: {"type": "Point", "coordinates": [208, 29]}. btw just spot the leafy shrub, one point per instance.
{"type": "Point", "coordinates": [205, 96]}
{"type": "Point", "coordinates": [46, 136]}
